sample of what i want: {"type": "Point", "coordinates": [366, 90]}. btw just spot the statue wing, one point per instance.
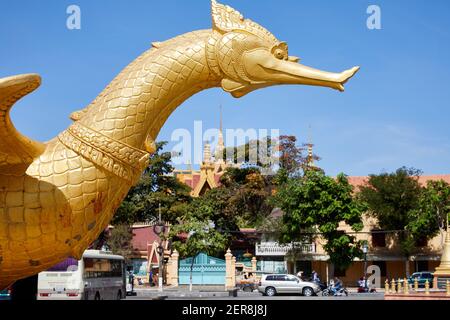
{"type": "Point", "coordinates": [17, 152]}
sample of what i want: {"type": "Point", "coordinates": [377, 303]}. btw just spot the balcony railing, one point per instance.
{"type": "Point", "coordinates": [275, 249]}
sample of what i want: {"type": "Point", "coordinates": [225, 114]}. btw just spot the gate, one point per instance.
{"type": "Point", "coordinates": [206, 270]}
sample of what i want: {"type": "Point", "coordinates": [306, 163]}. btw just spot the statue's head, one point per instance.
{"type": "Point", "coordinates": [249, 57]}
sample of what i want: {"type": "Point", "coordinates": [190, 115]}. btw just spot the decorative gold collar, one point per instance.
{"type": "Point", "coordinates": [120, 159]}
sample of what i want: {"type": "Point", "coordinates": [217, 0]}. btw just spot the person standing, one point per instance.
{"type": "Point", "coordinates": [315, 276]}
{"type": "Point", "coordinates": [150, 278]}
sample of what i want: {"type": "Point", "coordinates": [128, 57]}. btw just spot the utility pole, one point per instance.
{"type": "Point", "coordinates": [159, 230]}
{"type": "Point", "coordinates": [161, 255]}
{"type": "Point", "coordinates": [365, 250]}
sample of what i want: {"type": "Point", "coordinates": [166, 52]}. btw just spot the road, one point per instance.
{"type": "Point", "coordinates": [257, 297]}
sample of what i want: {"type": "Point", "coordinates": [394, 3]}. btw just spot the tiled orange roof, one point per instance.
{"type": "Point", "coordinates": [358, 182]}
{"type": "Point", "coordinates": [424, 179]}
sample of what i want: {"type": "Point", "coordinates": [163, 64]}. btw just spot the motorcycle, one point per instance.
{"type": "Point", "coordinates": [364, 288]}
{"type": "Point", "coordinates": [330, 291]}
{"type": "Point", "coordinates": [322, 285]}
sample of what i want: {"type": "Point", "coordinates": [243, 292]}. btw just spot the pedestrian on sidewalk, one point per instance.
{"type": "Point", "coordinates": [150, 278]}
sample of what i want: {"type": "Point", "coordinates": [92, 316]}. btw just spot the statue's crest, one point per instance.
{"type": "Point", "coordinates": [226, 19]}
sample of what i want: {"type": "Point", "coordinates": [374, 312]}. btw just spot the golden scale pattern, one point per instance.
{"type": "Point", "coordinates": [57, 197]}
{"type": "Point", "coordinates": [68, 195]}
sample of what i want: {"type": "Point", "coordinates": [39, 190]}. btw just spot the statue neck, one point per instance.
{"type": "Point", "coordinates": [137, 103]}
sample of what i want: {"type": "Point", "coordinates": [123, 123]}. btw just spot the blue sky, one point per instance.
{"type": "Point", "coordinates": [395, 112]}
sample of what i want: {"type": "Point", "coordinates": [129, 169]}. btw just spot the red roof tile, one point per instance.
{"type": "Point", "coordinates": [143, 236]}
{"type": "Point", "coordinates": [195, 180]}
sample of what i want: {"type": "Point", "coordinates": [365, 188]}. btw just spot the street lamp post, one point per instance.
{"type": "Point", "coordinates": [365, 249]}
{"type": "Point", "coordinates": [159, 230]}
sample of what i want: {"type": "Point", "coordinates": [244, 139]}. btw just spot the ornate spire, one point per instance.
{"type": "Point", "coordinates": [310, 157]}
{"type": "Point", "coordinates": [207, 154]}
{"type": "Point", "coordinates": [444, 268]}
{"type": "Point", "coordinates": [220, 144]}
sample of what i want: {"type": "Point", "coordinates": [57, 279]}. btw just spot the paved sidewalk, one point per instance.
{"type": "Point", "coordinates": [206, 292]}
{"type": "Point", "coordinates": [183, 292]}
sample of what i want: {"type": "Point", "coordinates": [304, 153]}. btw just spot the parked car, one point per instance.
{"type": "Point", "coordinates": [273, 284]}
{"type": "Point", "coordinates": [5, 294]}
{"type": "Point", "coordinates": [422, 277]}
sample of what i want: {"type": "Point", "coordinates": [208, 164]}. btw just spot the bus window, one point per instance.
{"type": "Point", "coordinates": [102, 268]}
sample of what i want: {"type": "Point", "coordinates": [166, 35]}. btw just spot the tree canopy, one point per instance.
{"type": "Point", "coordinates": [391, 199]}
{"type": "Point", "coordinates": [316, 203]}
{"type": "Point", "coordinates": [156, 186]}
{"type": "Point", "coordinates": [391, 196]}
{"type": "Point", "coordinates": [118, 240]}
{"type": "Point", "coordinates": [196, 233]}
{"type": "Point", "coordinates": [432, 212]}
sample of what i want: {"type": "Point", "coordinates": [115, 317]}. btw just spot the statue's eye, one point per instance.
{"type": "Point", "coordinates": [279, 54]}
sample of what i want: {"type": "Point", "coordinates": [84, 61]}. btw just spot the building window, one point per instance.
{"type": "Point", "coordinates": [378, 239]}
{"type": "Point", "coordinates": [382, 266]}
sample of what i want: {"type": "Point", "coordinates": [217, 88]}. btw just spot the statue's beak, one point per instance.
{"type": "Point", "coordinates": [261, 66]}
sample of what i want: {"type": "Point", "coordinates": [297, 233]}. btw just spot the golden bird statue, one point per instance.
{"type": "Point", "coordinates": [57, 197]}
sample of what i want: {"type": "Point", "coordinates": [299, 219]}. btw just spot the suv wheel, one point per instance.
{"type": "Point", "coordinates": [308, 292]}
{"type": "Point", "coordinates": [270, 291]}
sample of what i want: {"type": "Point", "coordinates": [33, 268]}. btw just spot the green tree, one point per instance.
{"type": "Point", "coordinates": [119, 241]}
{"type": "Point", "coordinates": [156, 186]}
{"type": "Point", "coordinates": [214, 206]}
{"type": "Point", "coordinates": [316, 204]}
{"type": "Point", "coordinates": [195, 235]}
{"type": "Point", "coordinates": [433, 211]}
{"type": "Point", "coordinates": [255, 153]}
{"type": "Point", "coordinates": [247, 193]}
{"type": "Point", "coordinates": [392, 199]}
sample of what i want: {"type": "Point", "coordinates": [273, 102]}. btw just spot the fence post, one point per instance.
{"type": "Point", "coordinates": [233, 272]}
{"type": "Point", "coordinates": [228, 269]}
{"type": "Point", "coordinates": [393, 286]}
{"type": "Point", "coordinates": [386, 286]}
{"type": "Point", "coordinates": [174, 268]}
{"type": "Point", "coordinates": [254, 262]}
{"type": "Point", "coordinates": [416, 284]}
{"type": "Point", "coordinates": [427, 287]}
{"type": "Point", "coordinates": [406, 286]}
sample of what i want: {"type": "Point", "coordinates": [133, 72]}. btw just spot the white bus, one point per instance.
{"type": "Point", "coordinates": [99, 275]}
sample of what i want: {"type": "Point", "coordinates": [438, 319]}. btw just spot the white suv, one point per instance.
{"type": "Point", "coordinates": [272, 284]}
